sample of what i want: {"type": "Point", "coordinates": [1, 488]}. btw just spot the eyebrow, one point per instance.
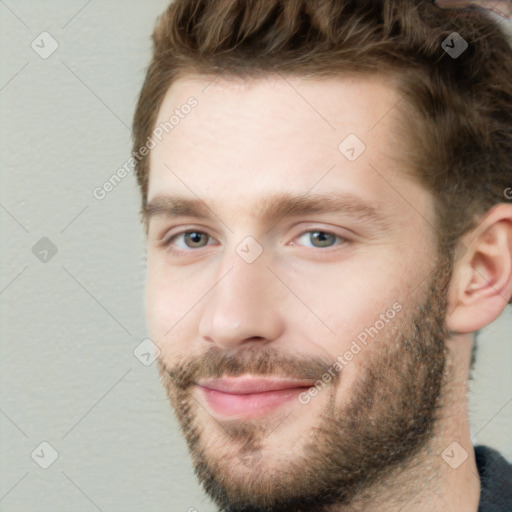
{"type": "Point", "coordinates": [270, 208]}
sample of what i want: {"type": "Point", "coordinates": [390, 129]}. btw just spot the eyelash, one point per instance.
{"type": "Point", "coordinates": [168, 243]}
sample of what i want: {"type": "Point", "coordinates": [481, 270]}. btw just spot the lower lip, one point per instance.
{"type": "Point", "coordinates": [249, 406]}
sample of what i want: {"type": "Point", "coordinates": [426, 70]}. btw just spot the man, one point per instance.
{"type": "Point", "coordinates": [325, 190]}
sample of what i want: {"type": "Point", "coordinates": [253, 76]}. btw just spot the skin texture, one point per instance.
{"type": "Point", "coordinates": [389, 416]}
{"type": "Point", "coordinates": [374, 436]}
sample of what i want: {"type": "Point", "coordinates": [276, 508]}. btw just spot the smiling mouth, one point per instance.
{"type": "Point", "coordinates": [250, 398]}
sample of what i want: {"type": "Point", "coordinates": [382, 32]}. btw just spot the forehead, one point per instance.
{"type": "Point", "coordinates": [285, 105]}
{"type": "Point", "coordinates": [245, 138]}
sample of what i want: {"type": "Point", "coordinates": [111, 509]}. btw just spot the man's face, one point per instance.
{"type": "Point", "coordinates": [352, 297]}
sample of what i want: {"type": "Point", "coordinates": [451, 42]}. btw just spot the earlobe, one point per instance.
{"type": "Point", "coordinates": [481, 283]}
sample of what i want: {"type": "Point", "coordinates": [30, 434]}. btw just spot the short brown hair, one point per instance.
{"type": "Point", "coordinates": [461, 143]}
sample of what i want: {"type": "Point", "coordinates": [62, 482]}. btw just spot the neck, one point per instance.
{"type": "Point", "coordinates": [444, 474]}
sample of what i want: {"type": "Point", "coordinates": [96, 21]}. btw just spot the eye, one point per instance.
{"type": "Point", "coordinates": [320, 238]}
{"type": "Point", "coordinates": [192, 239]}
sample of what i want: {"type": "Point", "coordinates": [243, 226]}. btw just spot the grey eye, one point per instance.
{"type": "Point", "coordinates": [320, 238]}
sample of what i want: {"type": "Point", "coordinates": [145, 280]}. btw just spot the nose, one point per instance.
{"type": "Point", "coordinates": [243, 307]}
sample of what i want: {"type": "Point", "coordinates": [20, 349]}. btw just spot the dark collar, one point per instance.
{"type": "Point", "coordinates": [495, 479]}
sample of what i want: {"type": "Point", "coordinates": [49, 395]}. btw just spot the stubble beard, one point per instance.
{"type": "Point", "coordinates": [391, 415]}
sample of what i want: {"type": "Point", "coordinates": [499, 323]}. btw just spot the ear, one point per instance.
{"type": "Point", "coordinates": [481, 284]}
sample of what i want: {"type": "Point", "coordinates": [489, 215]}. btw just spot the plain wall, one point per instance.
{"type": "Point", "coordinates": [70, 325]}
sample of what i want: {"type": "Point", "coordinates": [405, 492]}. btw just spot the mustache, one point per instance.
{"type": "Point", "coordinates": [255, 361]}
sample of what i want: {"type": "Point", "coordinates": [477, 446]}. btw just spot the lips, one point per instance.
{"type": "Point", "coordinates": [250, 398]}
{"type": "Point", "coordinates": [252, 385]}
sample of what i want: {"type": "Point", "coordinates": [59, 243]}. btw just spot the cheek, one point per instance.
{"type": "Point", "coordinates": [358, 308]}
{"type": "Point", "coordinates": [348, 296]}
{"type": "Point", "coordinates": [163, 319]}
{"type": "Point", "coordinates": [161, 299]}
{"type": "Point", "coordinates": [170, 302]}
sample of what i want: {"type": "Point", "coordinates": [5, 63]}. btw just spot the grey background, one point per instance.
{"type": "Point", "coordinates": [69, 327]}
